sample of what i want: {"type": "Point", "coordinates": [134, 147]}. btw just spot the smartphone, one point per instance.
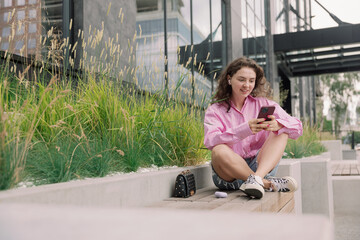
{"type": "Point", "coordinates": [265, 111]}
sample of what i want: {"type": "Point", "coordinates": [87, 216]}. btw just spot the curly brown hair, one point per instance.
{"type": "Point", "coordinates": [224, 90]}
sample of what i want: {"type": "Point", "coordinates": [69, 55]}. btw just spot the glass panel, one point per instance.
{"type": "Point", "coordinates": [244, 31]}
{"type": "Point", "coordinates": [20, 2]}
{"type": "Point", "coordinates": [21, 15]}
{"type": "Point", "coordinates": [19, 44]}
{"type": "Point", "coordinates": [32, 13]}
{"type": "Point", "coordinates": [150, 41]}
{"type": "Point", "coordinates": [147, 5]}
{"type": "Point", "coordinates": [7, 16]}
{"type": "Point", "coordinates": [279, 17]}
{"type": "Point", "coordinates": [201, 20]}
{"type": "Point", "coordinates": [31, 43]}
{"type": "Point", "coordinates": [216, 20]}
{"type": "Point", "coordinates": [258, 9]}
{"type": "Point", "coordinates": [20, 30]}
{"type": "Point", "coordinates": [51, 21]}
{"type": "Point", "coordinates": [7, 3]}
{"type": "Point", "coordinates": [251, 21]}
{"type": "Point", "coordinates": [258, 28]}
{"type": "Point", "coordinates": [4, 46]}
{"type": "Point", "coordinates": [6, 32]}
{"type": "Point", "coordinates": [32, 28]}
{"type": "Point", "coordinates": [243, 12]}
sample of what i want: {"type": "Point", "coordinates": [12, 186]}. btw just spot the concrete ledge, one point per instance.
{"type": "Point", "coordinates": [128, 190]}
{"type": "Point", "coordinates": [30, 222]}
{"type": "Point", "coordinates": [346, 194]}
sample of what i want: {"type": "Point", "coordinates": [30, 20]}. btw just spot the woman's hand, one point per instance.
{"type": "Point", "coordinates": [273, 125]}
{"type": "Point", "coordinates": [257, 125]}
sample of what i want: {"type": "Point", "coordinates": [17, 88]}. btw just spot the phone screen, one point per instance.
{"type": "Point", "coordinates": [265, 111]}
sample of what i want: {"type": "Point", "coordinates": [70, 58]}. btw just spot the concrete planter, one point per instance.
{"type": "Point", "coordinates": [128, 190]}
{"type": "Point", "coordinates": [316, 185]}
{"type": "Point", "coordinates": [141, 189]}
{"type": "Point", "coordinates": [292, 167]}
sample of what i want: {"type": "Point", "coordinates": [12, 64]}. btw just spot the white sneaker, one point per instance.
{"type": "Point", "coordinates": [253, 187]}
{"type": "Point", "coordinates": [283, 184]}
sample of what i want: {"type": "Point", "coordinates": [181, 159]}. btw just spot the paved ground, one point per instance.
{"type": "Point", "coordinates": [347, 227]}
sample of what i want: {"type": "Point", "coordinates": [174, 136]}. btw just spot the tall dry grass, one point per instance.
{"type": "Point", "coordinates": [58, 124]}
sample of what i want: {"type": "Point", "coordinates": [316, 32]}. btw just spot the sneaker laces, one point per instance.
{"type": "Point", "coordinates": [252, 180]}
{"type": "Point", "coordinates": [279, 185]}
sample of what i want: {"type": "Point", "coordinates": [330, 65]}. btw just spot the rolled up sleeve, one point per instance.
{"type": "Point", "coordinates": [292, 125]}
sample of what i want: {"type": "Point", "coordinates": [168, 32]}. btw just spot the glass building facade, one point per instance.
{"type": "Point", "coordinates": [188, 23]}
{"type": "Point", "coordinates": [179, 46]}
{"type": "Point", "coordinates": [20, 26]}
{"type": "Point", "coordinates": [295, 16]}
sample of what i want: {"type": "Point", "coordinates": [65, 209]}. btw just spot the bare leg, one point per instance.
{"type": "Point", "coordinates": [229, 165]}
{"type": "Point", "coordinates": [270, 155]}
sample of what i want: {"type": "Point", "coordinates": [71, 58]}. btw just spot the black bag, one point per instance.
{"type": "Point", "coordinates": [185, 184]}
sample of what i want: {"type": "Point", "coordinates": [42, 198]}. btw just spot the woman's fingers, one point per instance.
{"type": "Point", "coordinates": [257, 125]}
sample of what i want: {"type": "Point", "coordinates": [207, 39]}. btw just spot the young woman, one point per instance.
{"type": "Point", "coordinates": [246, 150]}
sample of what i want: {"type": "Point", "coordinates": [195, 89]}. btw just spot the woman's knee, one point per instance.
{"type": "Point", "coordinates": [283, 136]}
{"type": "Point", "coordinates": [221, 154]}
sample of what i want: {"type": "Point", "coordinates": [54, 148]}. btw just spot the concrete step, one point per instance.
{"type": "Point", "coordinates": [42, 222]}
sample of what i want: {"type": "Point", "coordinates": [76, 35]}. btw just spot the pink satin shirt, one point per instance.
{"type": "Point", "coordinates": [232, 128]}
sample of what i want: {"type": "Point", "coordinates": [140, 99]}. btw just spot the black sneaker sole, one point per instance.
{"type": "Point", "coordinates": [253, 193]}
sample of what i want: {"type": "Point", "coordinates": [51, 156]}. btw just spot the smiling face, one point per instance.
{"type": "Point", "coordinates": [242, 84]}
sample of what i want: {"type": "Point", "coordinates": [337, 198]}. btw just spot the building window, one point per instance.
{"type": "Point", "coordinates": [146, 5]}
{"type": "Point", "coordinates": [32, 13]}
{"type": "Point", "coordinates": [7, 16]}
{"type": "Point", "coordinates": [32, 28]}
{"type": "Point", "coordinates": [6, 32]}
{"type": "Point", "coordinates": [19, 44]}
{"type": "Point", "coordinates": [20, 30]}
{"type": "Point", "coordinates": [4, 46]}
{"type": "Point", "coordinates": [32, 1]}
{"type": "Point", "coordinates": [31, 43]}
{"type": "Point", "coordinates": [7, 3]}
{"type": "Point", "coordinates": [20, 2]}
{"type": "Point", "coordinates": [21, 15]}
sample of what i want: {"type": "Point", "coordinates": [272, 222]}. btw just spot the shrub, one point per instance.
{"type": "Point", "coordinates": [306, 145]}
